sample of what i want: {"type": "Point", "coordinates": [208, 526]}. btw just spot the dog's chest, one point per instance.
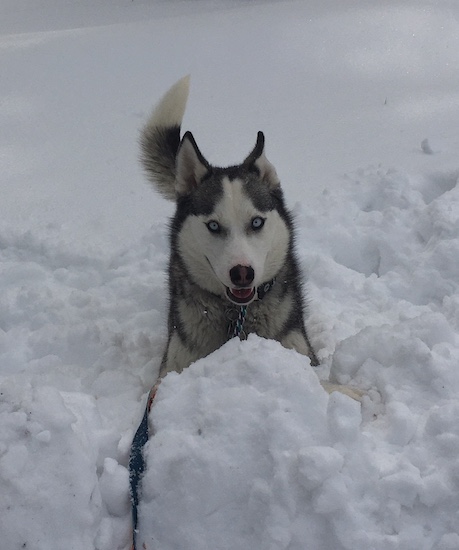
{"type": "Point", "coordinates": [212, 322]}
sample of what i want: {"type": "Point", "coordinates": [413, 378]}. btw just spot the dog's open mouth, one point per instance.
{"type": "Point", "coordinates": [240, 296]}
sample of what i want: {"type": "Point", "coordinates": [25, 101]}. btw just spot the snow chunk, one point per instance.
{"type": "Point", "coordinates": [114, 483]}
{"type": "Point", "coordinates": [316, 464]}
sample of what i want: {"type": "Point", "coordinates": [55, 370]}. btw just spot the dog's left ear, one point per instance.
{"type": "Point", "coordinates": [190, 166]}
{"type": "Point", "coordinates": [258, 159]}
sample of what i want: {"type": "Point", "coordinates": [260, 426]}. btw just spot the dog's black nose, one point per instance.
{"type": "Point", "coordinates": [242, 275]}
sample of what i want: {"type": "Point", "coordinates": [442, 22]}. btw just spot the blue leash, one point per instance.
{"type": "Point", "coordinates": [137, 464]}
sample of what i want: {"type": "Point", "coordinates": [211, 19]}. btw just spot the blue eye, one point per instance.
{"type": "Point", "coordinates": [213, 226]}
{"type": "Point", "coordinates": [258, 223]}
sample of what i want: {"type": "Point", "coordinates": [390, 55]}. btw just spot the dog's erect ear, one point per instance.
{"type": "Point", "coordinates": [190, 166]}
{"type": "Point", "coordinates": [258, 159]}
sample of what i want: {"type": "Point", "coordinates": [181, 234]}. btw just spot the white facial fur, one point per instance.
{"type": "Point", "coordinates": [209, 257]}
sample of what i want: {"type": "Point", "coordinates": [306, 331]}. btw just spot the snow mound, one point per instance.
{"type": "Point", "coordinates": [250, 452]}
{"type": "Point", "coordinates": [241, 440]}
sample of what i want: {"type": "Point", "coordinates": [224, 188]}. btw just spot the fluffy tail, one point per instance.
{"type": "Point", "coordinates": [160, 139]}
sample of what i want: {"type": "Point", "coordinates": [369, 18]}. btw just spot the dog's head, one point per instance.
{"type": "Point", "coordinates": [233, 226]}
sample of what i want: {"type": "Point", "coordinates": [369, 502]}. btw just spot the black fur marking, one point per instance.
{"type": "Point", "coordinates": [206, 196]}
{"type": "Point", "coordinates": [261, 197]}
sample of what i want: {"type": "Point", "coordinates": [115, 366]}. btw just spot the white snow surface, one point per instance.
{"type": "Point", "coordinates": [359, 105]}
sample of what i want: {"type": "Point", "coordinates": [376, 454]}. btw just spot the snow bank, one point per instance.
{"type": "Point", "coordinates": [72, 325]}
{"type": "Point", "coordinates": [250, 452]}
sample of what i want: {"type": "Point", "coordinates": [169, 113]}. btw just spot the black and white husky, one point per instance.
{"type": "Point", "coordinates": [232, 243]}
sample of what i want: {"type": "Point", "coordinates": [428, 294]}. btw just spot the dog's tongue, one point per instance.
{"type": "Point", "coordinates": [241, 293]}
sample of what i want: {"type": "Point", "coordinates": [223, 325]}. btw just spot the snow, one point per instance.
{"type": "Point", "coordinates": [359, 107]}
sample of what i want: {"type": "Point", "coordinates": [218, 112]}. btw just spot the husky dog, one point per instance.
{"type": "Point", "coordinates": [232, 243]}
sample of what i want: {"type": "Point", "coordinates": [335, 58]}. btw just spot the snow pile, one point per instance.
{"type": "Point", "coordinates": [250, 452]}
{"type": "Point", "coordinates": [76, 350]}
{"type": "Point", "coordinates": [44, 465]}
{"type": "Point", "coordinates": [242, 453]}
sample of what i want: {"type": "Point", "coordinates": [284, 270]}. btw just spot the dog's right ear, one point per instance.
{"type": "Point", "coordinates": [258, 159]}
{"type": "Point", "coordinates": [190, 166]}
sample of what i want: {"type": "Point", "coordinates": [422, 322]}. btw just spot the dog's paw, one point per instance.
{"type": "Point", "coordinates": [352, 392]}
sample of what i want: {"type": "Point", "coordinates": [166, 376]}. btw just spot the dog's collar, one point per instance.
{"type": "Point", "coordinates": [263, 289]}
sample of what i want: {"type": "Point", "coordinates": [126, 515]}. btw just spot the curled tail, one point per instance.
{"type": "Point", "coordinates": [160, 138]}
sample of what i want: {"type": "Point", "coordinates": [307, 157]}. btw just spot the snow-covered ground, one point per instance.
{"type": "Point", "coordinates": [360, 106]}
